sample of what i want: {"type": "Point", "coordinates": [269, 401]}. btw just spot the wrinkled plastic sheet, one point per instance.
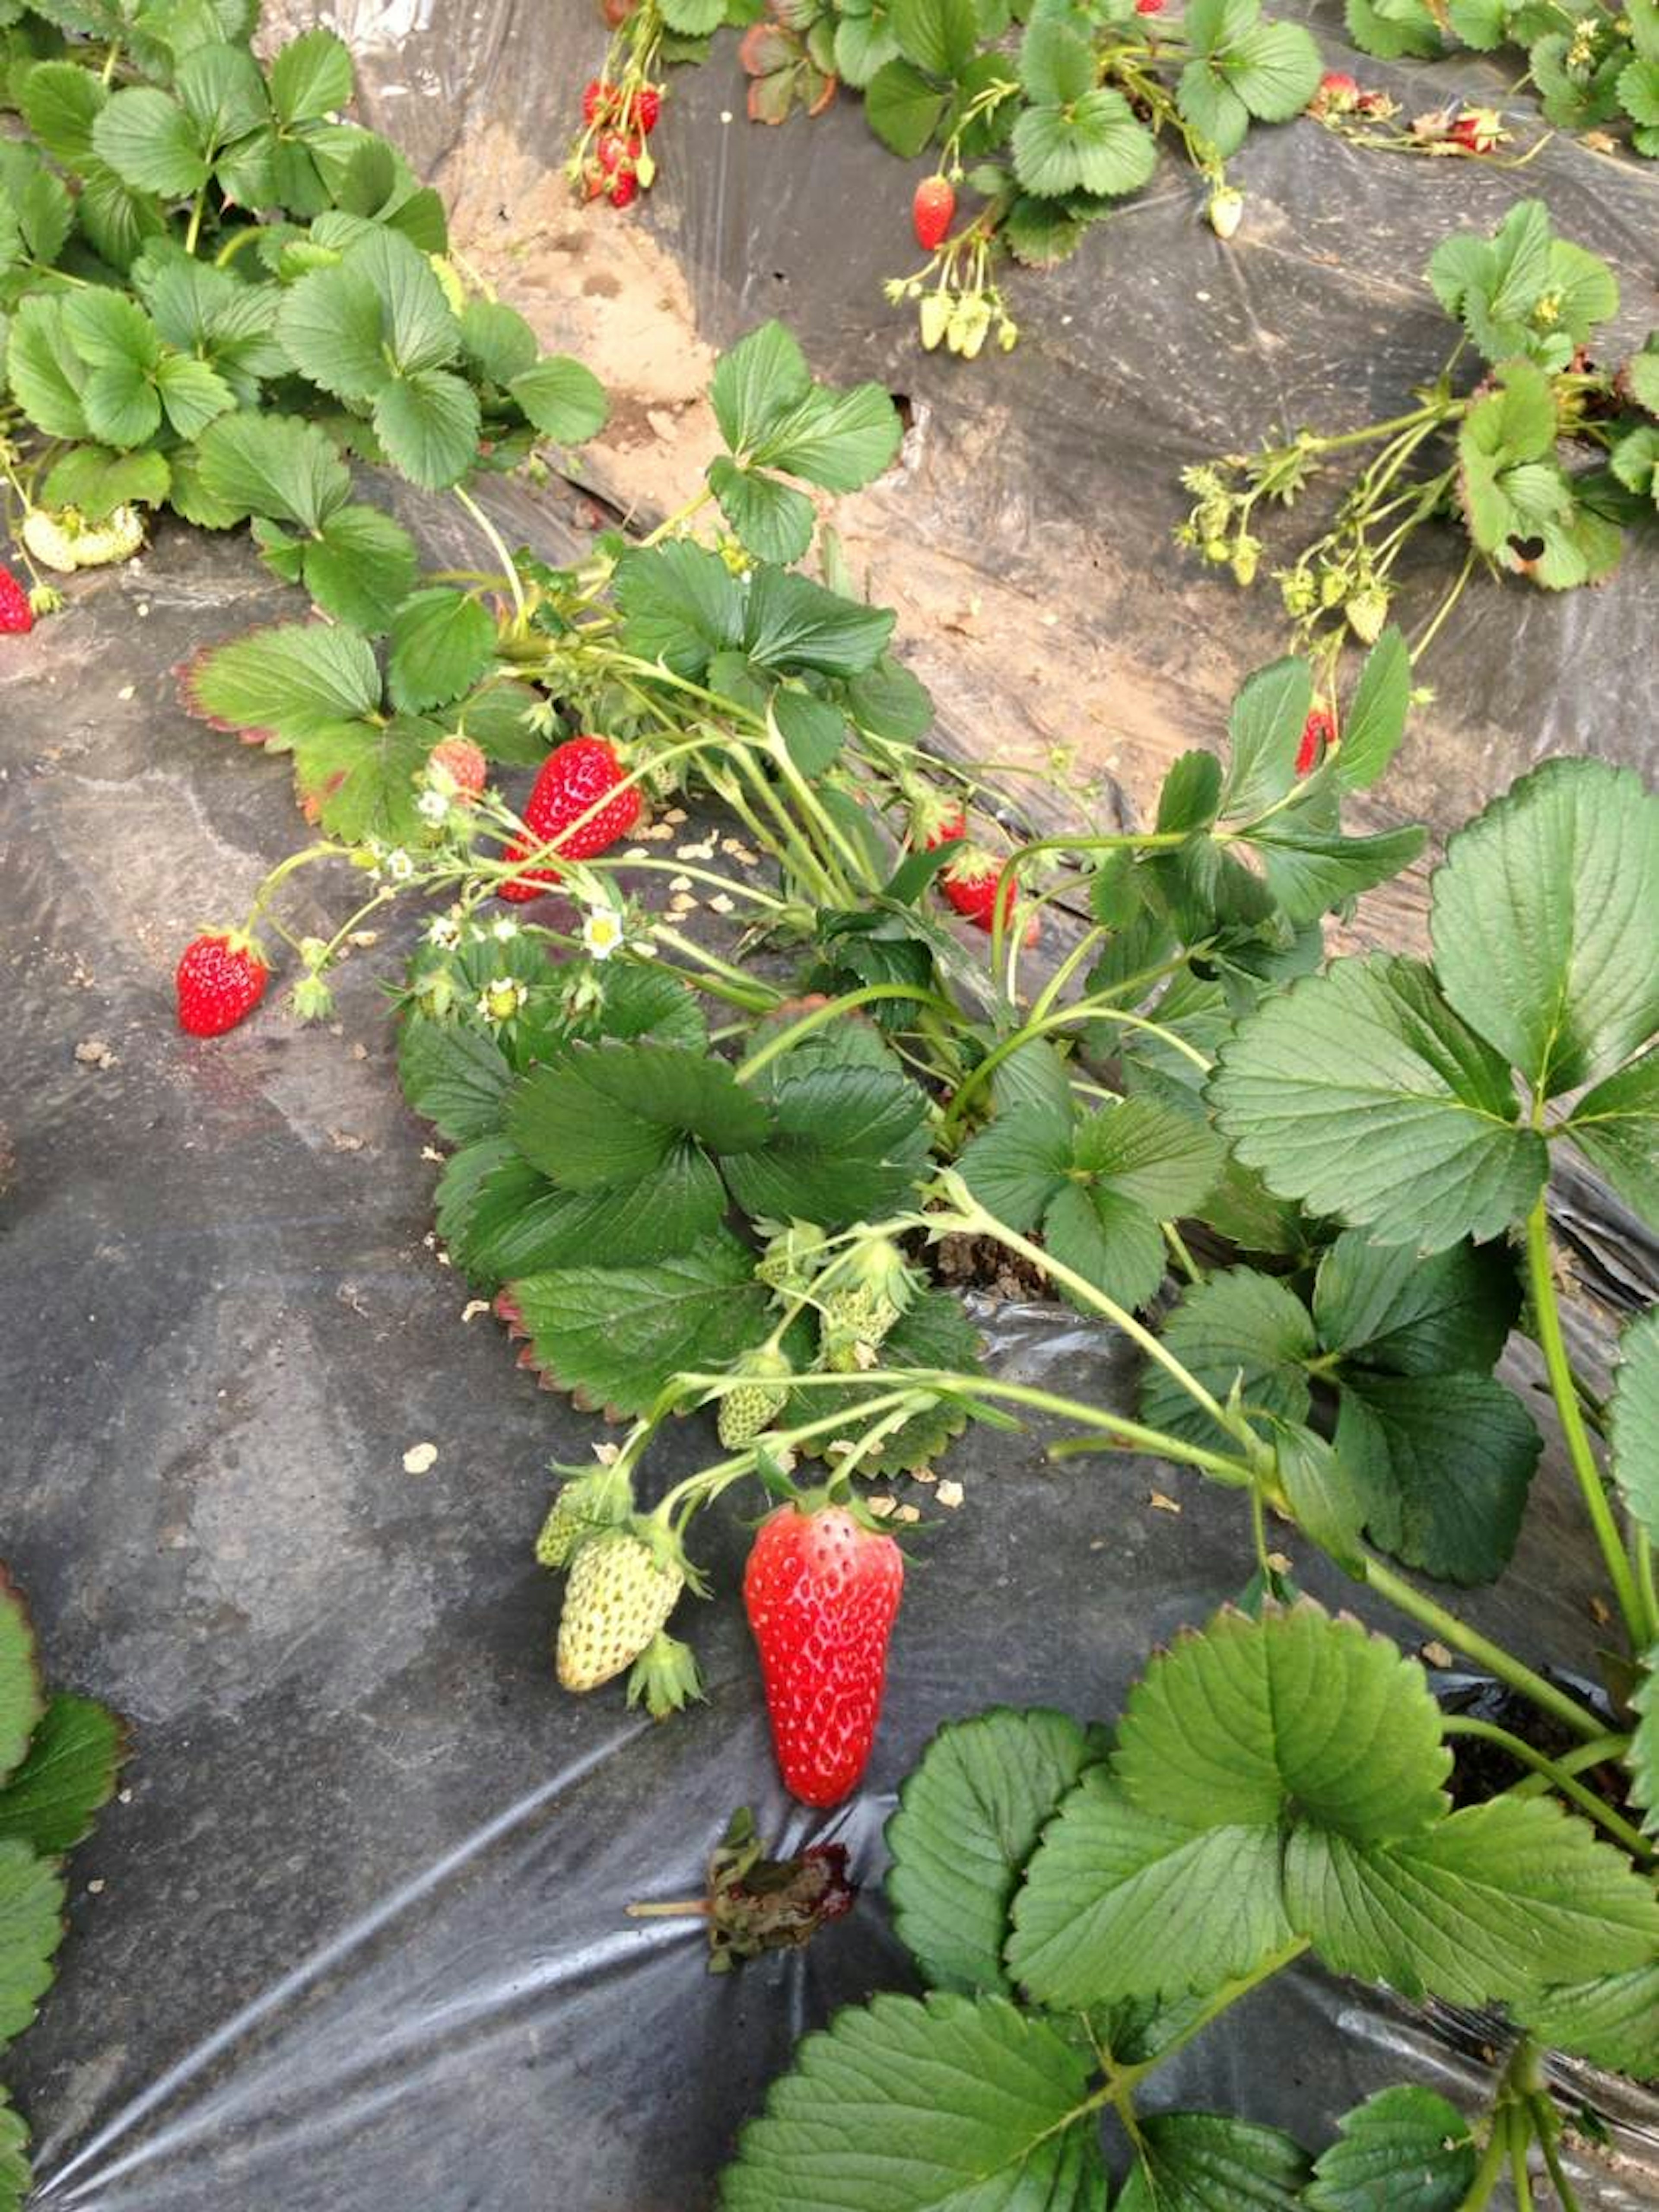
{"type": "Point", "coordinates": [354, 1938]}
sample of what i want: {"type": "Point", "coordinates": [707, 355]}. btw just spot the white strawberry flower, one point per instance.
{"type": "Point", "coordinates": [444, 931]}
{"type": "Point", "coordinates": [501, 998]}
{"type": "Point", "coordinates": [398, 865]}
{"type": "Point", "coordinates": [433, 807]}
{"type": "Point", "coordinates": [603, 933]}
{"type": "Point", "coordinates": [503, 929]}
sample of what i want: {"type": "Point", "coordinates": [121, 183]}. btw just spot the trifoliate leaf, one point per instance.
{"type": "Point", "coordinates": [970, 1815]}
{"type": "Point", "coordinates": [611, 1113]}
{"type": "Point", "coordinates": [814, 732]}
{"type": "Point", "coordinates": [60, 101]}
{"type": "Point", "coordinates": [846, 1143]}
{"type": "Point", "coordinates": [1294, 1716]}
{"type": "Point", "coordinates": [360, 568]}
{"type": "Point", "coordinates": [1404, 2150]}
{"type": "Point", "coordinates": [564, 400]}
{"type": "Point", "coordinates": [1361, 1094]}
{"type": "Point", "coordinates": [1238, 1330]}
{"type": "Point", "coordinates": [1633, 1426]}
{"type": "Point", "coordinates": [934, 2105]}
{"type": "Point", "coordinates": [1095, 145]}
{"type": "Point", "coordinates": [150, 143]}
{"type": "Point", "coordinates": [1534, 915]}
{"type": "Point", "coordinates": [1310, 872]}
{"type": "Point", "coordinates": [680, 604]}
{"type": "Point", "coordinates": [282, 684]}
{"type": "Point", "coordinates": [1108, 1240]}
{"type": "Point", "coordinates": [310, 77]}
{"type": "Point", "coordinates": [49, 1800]}
{"type": "Point", "coordinates": [1056, 64]}
{"type": "Point", "coordinates": [428, 423]}
{"type": "Point", "coordinates": [1376, 722]}
{"type": "Point", "coordinates": [773, 521]}
{"type": "Point", "coordinates": [756, 382]}
{"type": "Point", "coordinates": [1384, 1306]}
{"type": "Point", "coordinates": [839, 439]}
{"type": "Point", "coordinates": [616, 1337]}
{"type": "Point", "coordinates": [278, 466]}
{"type": "Point", "coordinates": [1442, 1464]}
{"type": "Point", "coordinates": [1211, 2162]}
{"type": "Point", "coordinates": [453, 1076]}
{"type": "Point", "coordinates": [1117, 1903]}
{"type": "Point", "coordinates": [442, 641]}
{"type": "Point", "coordinates": [1495, 1902]}
{"type": "Point", "coordinates": [331, 326]}
{"type": "Point", "coordinates": [31, 1928]}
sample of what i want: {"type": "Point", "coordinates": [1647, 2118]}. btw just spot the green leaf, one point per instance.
{"type": "Point", "coordinates": [442, 643]}
{"type": "Point", "coordinates": [1264, 731]}
{"type": "Point", "coordinates": [21, 1700]}
{"type": "Point", "coordinates": [611, 1113]}
{"type": "Point", "coordinates": [428, 422]}
{"type": "Point", "coordinates": [1322, 1492]}
{"type": "Point", "coordinates": [565, 401]}
{"type": "Point", "coordinates": [904, 109]}
{"type": "Point", "coordinates": [60, 101]}
{"type": "Point", "coordinates": [1117, 1903]}
{"type": "Point", "coordinates": [357, 779]}
{"type": "Point", "coordinates": [1361, 1094]}
{"type": "Point", "coordinates": [848, 1144]}
{"type": "Point", "coordinates": [150, 143]}
{"type": "Point", "coordinates": [1239, 1330]}
{"type": "Point", "coordinates": [98, 481]}
{"type": "Point", "coordinates": [1376, 723]}
{"type": "Point", "coordinates": [813, 729]}
{"type": "Point", "coordinates": [16, 2176]}
{"type": "Point", "coordinates": [1056, 66]}
{"type": "Point", "coordinates": [1386, 1306]}
{"type": "Point", "coordinates": [49, 1800]}
{"type": "Point", "coordinates": [1404, 2150]}
{"type": "Point", "coordinates": [792, 622]}
{"type": "Point", "coordinates": [221, 90]}
{"type": "Point", "coordinates": [1496, 1901]}
{"type": "Point", "coordinates": [1609, 2019]}
{"type": "Point", "coordinates": [618, 1336]}
{"type": "Point", "coordinates": [1442, 1463]}
{"type": "Point", "coordinates": [1642, 1760]}
{"type": "Point", "coordinates": [756, 382]}
{"type": "Point", "coordinates": [1634, 1419]}
{"type": "Point", "coordinates": [1020, 1162]}
{"type": "Point", "coordinates": [330, 325]}
{"type": "Point", "coordinates": [933, 1332]}
{"type": "Point", "coordinates": [1534, 916]}
{"type": "Point", "coordinates": [939, 36]}
{"type": "Point", "coordinates": [970, 1816]}
{"type": "Point", "coordinates": [278, 466]}
{"type": "Point", "coordinates": [680, 604]}
{"type": "Point", "coordinates": [496, 341]}
{"type": "Point", "coordinates": [773, 522]}
{"type": "Point", "coordinates": [193, 394]}
{"type": "Point", "coordinates": [31, 1928]}
{"type": "Point", "coordinates": [361, 566]}
{"type": "Point", "coordinates": [453, 1076]}
{"type": "Point", "coordinates": [863, 44]}
{"type": "Point", "coordinates": [889, 702]}
{"type": "Point", "coordinates": [1208, 2162]}
{"type": "Point", "coordinates": [1294, 1716]}
{"type": "Point", "coordinates": [310, 76]}
{"type": "Point", "coordinates": [1108, 1240]}
{"type": "Point", "coordinates": [840, 440]}
{"type": "Point", "coordinates": [1208, 102]}
{"type": "Point", "coordinates": [1310, 872]}
{"type": "Point", "coordinates": [934, 2105]}
{"type": "Point", "coordinates": [1273, 67]}
{"type": "Point", "coordinates": [47, 374]}
{"type": "Point", "coordinates": [1094, 145]}
{"type": "Point", "coordinates": [284, 683]}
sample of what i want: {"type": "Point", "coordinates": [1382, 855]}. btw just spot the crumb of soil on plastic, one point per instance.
{"type": "Point", "coordinates": [93, 1052]}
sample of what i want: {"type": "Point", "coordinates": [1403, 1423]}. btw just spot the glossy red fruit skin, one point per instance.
{"type": "Point", "coordinates": [17, 616]}
{"type": "Point", "coordinates": [973, 895]}
{"type": "Point", "coordinates": [821, 1594]}
{"type": "Point", "coordinates": [624, 189]}
{"type": "Point", "coordinates": [1338, 88]}
{"type": "Point", "coordinates": [573, 778]}
{"type": "Point", "coordinates": [1317, 732]}
{"type": "Point", "coordinates": [952, 825]}
{"type": "Point", "coordinates": [613, 150]}
{"type": "Point", "coordinates": [219, 982]}
{"type": "Point", "coordinates": [1149, 7]}
{"type": "Point", "coordinates": [598, 99]}
{"type": "Point", "coordinates": [931, 211]}
{"type": "Point", "coordinates": [645, 108]}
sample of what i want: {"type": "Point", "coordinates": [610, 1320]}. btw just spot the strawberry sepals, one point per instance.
{"type": "Point", "coordinates": [665, 1678]}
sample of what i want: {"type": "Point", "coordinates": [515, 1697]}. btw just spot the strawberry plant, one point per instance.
{"type": "Point", "coordinates": [1547, 462]}
{"type": "Point", "coordinates": [58, 1758]}
{"type": "Point", "coordinates": [1048, 115]}
{"type": "Point", "coordinates": [1595, 68]}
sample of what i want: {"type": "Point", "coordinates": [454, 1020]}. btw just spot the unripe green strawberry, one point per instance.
{"type": "Point", "coordinates": [618, 1594]}
{"type": "Point", "coordinates": [598, 1499]}
{"type": "Point", "coordinates": [791, 1256]}
{"type": "Point", "coordinates": [850, 1318]}
{"type": "Point", "coordinates": [756, 1401]}
{"type": "Point", "coordinates": [117, 538]}
{"type": "Point", "coordinates": [50, 541]}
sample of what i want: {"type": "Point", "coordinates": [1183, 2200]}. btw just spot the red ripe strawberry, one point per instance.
{"type": "Point", "coordinates": [463, 763]}
{"type": "Point", "coordinates": [939, 821]}
{"type": "Point", "coordinates": [969, 881]}
{"type": "Point", "coordinates": [575, 776]}
{"type": "Point", "coordinates": [1337, 90]}
{"type": "Point", "coordinates": [221, 979]}
{"type": "Point", "coordinates": [17, 616]}
{"type": "Point", "coordinates": [1317, 732]}
{"type": "Point", "coordinates": [931, 211]}
{"type": "Point", "coordinates": [645, 108]}
{"type": "Point", "coordinates": [624, 189]}
{"type": "Point", "coordinates": [613, 150]}
{"type": "Point", "coordinates": [1477, 131]}
{"type": "Point", "coordinates": [1149, 7]}
{"type": "Point", "coordinates": [820, 1592]}
{"type": "Point", "coordinates": [599, 99]}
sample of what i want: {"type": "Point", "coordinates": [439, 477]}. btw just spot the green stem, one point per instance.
{"type": "Point", "coordinates": [235, 244]}
{"type": "Point", "coordinates": [1084, 1009]}
{"type": "Point", "coordinates": [1597, 1752]}
{"type": "Point", "coordinates": [1457, 1632]}
{"type": "Point", "coordinates": [1490, 2171]}
{"type": "Point", "coordinates": [1546, 2125]}
{"type": "Point", "coordinates": [1445, 607]}
{"type": "Point", "coordinates": [1520, 2133]}
{"type": "Point", "coordinates": [1227, 1995]}
{"type": "Point", "coordinates": [510, 567]}
{"type": "Point", "coordinates": [1546, 1314]}
{"type": "Point", "coordinates": [281, 873]}
{"type": "Point", "coordinates": [195, 230]}
{"type": "Point", "coordinates": [1586, 1800]}
{"type": "Point", "coordinates": [788, 1037]}
{"type": "Point", "coordinates": [107, 73]}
